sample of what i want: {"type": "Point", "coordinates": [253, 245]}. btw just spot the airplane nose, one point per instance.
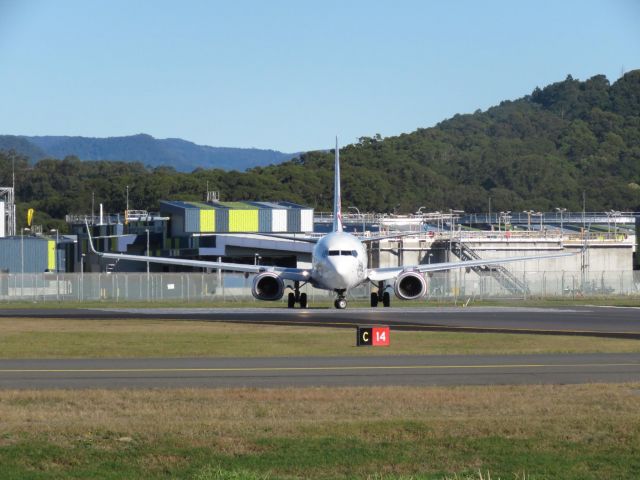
{"type": "Point", "coordinates": [342, 268]}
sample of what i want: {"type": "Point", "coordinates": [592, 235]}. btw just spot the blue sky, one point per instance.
{"type": "Point", "coordinates": [290, 75]}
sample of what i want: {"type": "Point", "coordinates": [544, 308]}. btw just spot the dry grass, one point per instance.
{"type": "Point", "coordinates": [235, 416]}
{"type": "Point", "coordinates": [387, 432]}
{"type": "Point", "coordinates": [60, 338]}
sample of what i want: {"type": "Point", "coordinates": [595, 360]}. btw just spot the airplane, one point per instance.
{"type": "Point", "coordinates": [339, 263]}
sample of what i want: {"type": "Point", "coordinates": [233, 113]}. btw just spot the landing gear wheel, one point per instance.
{"type": "Point", "coordinates": [386, 299]}
{"type": "Point", "coordinates": [374, 299]}
{"type": "Point", "coordinates": [303, 300]}
{"type": "Point", "coordinates": [340, 303]}
{"type": "Point", "coordinates": [291, 300]}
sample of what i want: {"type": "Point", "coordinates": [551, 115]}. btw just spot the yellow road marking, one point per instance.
{"type": "Point", "coordinates": [302, 369]}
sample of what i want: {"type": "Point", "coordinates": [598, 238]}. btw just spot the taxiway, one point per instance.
{"type": "Point", "coordinates": [320, 371]}
{"type": "Point", "coordinates": [347, 371]}
{"type": "Point", "coordinates": [620, 322]}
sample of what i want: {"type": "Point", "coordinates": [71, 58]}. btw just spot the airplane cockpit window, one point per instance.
{"type": "Point", "coordinates": [346, 253]}
{"type": "Point", "coordinates": [354, 253]}
{"type": "Point", "coordinates": [334, 253]}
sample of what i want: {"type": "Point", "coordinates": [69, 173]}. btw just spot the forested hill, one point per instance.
{"type": "Point", "coordinates": [174, 152]}
{"type": "Point", "coordinates": [538, 152]}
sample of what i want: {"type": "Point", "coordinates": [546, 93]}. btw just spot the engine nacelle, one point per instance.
{"type": "Point", "coordinates": [267, 286]}
{"type": "Point", "coordinates": [410, 285]}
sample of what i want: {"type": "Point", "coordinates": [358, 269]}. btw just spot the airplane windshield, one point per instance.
{"type": "Point", "coordinates": [344, 253]}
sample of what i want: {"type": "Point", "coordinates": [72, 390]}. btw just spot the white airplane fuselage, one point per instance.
{"type": "Point", "coordinates": [339, 262]}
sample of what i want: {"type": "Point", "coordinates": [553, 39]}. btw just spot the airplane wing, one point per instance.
{"type": "Point", "coordinates": [306, 239]}
{"type": "Point", "coordinates": [389, 273]}
{"type": "Point", "coordinates": [388, 237]}
{"type": "Point", "coordinates": [293, 237]}
{"type": "Point", "coordinates": [294, 274]}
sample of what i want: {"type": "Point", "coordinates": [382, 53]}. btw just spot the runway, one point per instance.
{"type": "Point", "coordinates": [347, 371]}
{"type": "Point", "coordinates": [592, 321]}
{"type": "Point", "coordinates": [320, 371]}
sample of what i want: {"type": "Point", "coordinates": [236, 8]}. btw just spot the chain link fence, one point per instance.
{"type": "Point", "coordinates": [233, 287]}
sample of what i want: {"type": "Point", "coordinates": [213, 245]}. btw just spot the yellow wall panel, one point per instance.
{"type": "Point", "coordinates": [51, 255]}
{"type": "Point", "coordinates": [207, 220]}
{"type": "Point", "coordinates": [243, 220]}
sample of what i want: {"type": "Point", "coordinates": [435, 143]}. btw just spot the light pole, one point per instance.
{"type": "Point", "coordinates": [541, 217]}
{"type": "Point", "coordinates": [148, 279]}
{"type": "Point", "coordinates": [419, 212]}
{"type": "Point", "coordinates": [56, 260]}
{"type": "Point", "coordinates": [22, 259]}
{"type": "Point", "coordinates": [146, 230]}
{"type": "Point", "coordinates": [614, 215]}
{"type": "Point", "coordinates": [82, 277]}
{"type": "Point", "coordinates": [529, 213]}
{"type": "Point", "coordinates": [561, 210]}
{"type": "Point", "coordinates": [361, 216]}
{"type": "Point", "coordinates": [452, 225]}
{"type": "Point", "coordinates": [504, 216]}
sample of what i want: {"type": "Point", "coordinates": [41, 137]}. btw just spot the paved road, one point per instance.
{"type": "Point", "coordinates": [320, 371]}
{"type": "Point", "coordinates": [594, 321]}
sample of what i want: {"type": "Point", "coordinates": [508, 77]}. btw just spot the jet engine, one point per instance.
{"type": "Point", "coordinates": [267, 286]}
{"type": "Point", "coordinates": [410, 285]}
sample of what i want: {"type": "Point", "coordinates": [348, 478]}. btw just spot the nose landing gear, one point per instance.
{"type": "Point", "coordinates": [341, 301]}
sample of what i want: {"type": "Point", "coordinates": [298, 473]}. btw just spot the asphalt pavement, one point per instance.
{"type": "Point", "coordinates": [621, 322]}
{"type": "Point", "coordinates": [320, 371]}
{"type": "Point", "coordinates": [347, 371]}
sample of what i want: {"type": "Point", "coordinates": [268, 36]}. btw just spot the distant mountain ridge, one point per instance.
{"type": "Point", "coordinates": [180, 154]}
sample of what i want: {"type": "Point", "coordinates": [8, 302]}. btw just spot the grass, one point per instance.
{"type": "Point", "coordinates": [621, 301]}
{"type": "Point", "coordinates": [61, 338]}
{"type": "Point", "coordinates": [513, 432]}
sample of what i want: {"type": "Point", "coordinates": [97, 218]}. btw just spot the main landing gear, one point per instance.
{"type": "Point", "coordinates": [380, 296]}
{"type": "Point", "coordinates": [297, 297]}
{"type": "Point", "coordinates": [341, 301]}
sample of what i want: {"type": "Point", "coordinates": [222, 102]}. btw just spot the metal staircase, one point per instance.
{"type": "Point", "coordinates": [502, 275]}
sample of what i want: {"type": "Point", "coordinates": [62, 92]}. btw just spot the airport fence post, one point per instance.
{"type": "Point", "coordinates": [621, 282]}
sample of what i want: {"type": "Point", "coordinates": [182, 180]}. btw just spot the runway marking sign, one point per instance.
{"type": "Point", "coordinates": [373, 336]}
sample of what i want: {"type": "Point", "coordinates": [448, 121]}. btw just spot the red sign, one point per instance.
{"type": "Point", "coordinates": [380, 336]}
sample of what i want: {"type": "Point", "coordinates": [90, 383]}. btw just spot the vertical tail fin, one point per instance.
{"type": "Point", "coordinates": [337, 201]}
